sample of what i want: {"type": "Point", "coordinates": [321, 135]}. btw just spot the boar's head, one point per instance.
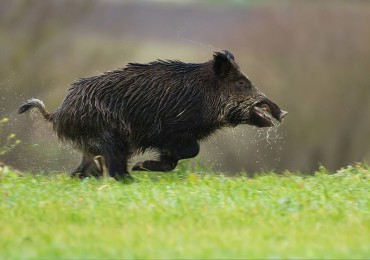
{"type": "Point", "coordinates": [241, 101]}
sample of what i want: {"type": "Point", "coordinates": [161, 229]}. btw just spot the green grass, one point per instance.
{"type": "Point", "coordinates": [187, 214]}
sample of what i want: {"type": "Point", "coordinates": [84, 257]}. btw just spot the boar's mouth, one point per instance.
{"type": "Point", "coordinates": [266, 114]}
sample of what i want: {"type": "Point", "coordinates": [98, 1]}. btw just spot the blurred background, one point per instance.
{"type": "Point", "coordinates": [310, 57]}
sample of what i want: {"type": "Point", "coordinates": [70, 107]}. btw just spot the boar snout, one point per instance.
{"type": "Point", "coordinates": [282, 115]}
{"type": "Point", "coordinates": [264, 113]}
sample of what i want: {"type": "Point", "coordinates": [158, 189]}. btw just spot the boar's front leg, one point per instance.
{"type": "Point", "coordinates": [175, 150]}
{"type": "Point", "coordinates": [164, 164]}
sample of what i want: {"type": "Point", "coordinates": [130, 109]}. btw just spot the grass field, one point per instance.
{"type": "Point", "coordinates": [187, 214]}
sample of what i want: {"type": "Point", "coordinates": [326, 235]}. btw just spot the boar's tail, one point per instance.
{"type": "Point", "coordinates": [35, 103]}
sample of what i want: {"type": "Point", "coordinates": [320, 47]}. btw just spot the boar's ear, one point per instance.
{"type": "Point", "coordinates": [223, 63]}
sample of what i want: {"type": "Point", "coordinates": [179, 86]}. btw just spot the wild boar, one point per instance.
{"type": "Point", "coordinates": [166, 105]}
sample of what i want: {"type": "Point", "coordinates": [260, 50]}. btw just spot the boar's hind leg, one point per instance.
{"type": "Point", "coordinates": [86, 168]}
{"type": "Point", "coordinates": [177, 150]}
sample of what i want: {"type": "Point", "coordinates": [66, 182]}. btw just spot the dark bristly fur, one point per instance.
{"type": "Point", "coordinates": [163, 105]}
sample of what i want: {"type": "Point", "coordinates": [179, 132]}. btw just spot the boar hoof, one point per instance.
{"type": "Point", "coordinates": [139, 167]}
{"type": "Point", "coordinates": [126, 178]}
{"type": "Point", "coordinates": [78, 175]}
{"type": "Point", "coordinates": [157, 166]}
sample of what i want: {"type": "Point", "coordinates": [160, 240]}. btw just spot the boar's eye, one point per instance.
{"type": "Point", "coordinates": [242, 85]}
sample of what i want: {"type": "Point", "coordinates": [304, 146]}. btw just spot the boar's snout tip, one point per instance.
{"type": "Point", "coordinates": [282, 115]}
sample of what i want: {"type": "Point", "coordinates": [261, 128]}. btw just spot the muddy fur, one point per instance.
{"type": "Point", "coordinates": [168, 106]}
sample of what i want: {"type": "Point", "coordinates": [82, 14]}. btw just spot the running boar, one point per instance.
{"type": "Point", "coordinates": [166, 105]}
